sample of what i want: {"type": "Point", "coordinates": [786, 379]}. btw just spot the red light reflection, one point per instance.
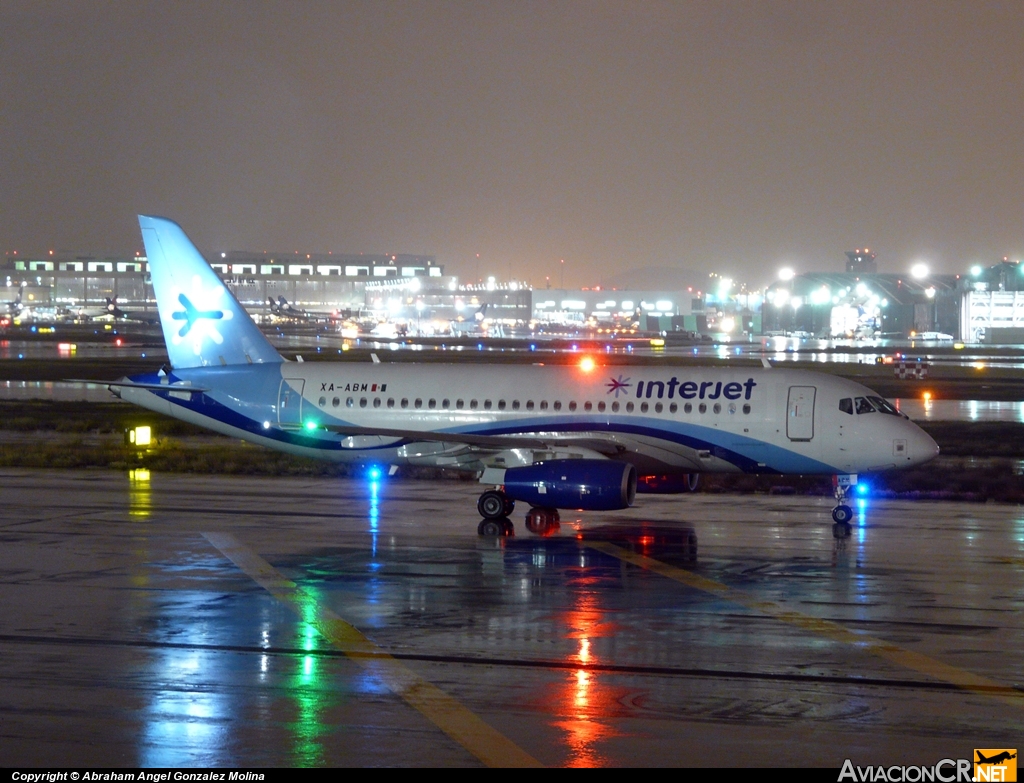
{"type": "Point", "coordinates": [582, 703]}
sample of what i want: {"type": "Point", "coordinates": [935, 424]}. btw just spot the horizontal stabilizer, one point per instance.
{"type": "Point", "coordinates": [151, 386]}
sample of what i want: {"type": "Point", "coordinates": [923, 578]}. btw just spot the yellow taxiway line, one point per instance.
{"type": "Point", "coordinates": [475, 735]}
{"type": "Point", "coordinates": [831, 630]}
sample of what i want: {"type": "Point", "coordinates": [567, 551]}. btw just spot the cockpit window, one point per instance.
{"type": "Point", "coordinates": [863, 406]}
{"type": "Point", "coordinates": [884, 406]}
{"type": "Point", "coordinates": [846, 405]}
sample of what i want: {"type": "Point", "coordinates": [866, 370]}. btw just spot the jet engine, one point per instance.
{"type": "Point", "coordinates": [587, 484]}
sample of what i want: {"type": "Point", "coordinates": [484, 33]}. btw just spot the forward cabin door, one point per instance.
{"type": "Point", "coordinates": [289, 402]}
{"type": "Point", "coordinates": [800, 413]}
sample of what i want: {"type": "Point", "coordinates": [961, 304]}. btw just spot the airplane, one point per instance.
{"type": "Point", "coordinates": [577, 436]}
{"type": "Point", "coordinates": [476, 325]}
{"type": "Point", "coordinates": [111, 309]}
{"type": "Point", "coordinates": [282, 308]}
{"type": "Point", "coordinates": [16, 306]}
{"type": "Point", "coordinates": [18, 310]}
{"type": "Point", "coordinates": [996, 759]}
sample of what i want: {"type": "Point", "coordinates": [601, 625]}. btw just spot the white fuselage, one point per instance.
{"type": "Point", "coordinates": [661, 419]}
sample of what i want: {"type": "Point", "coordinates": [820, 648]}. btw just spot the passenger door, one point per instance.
{"type": "Point", "coordinates": [800, 413]}
{"type": "Point", "coordinates": [289, 402]}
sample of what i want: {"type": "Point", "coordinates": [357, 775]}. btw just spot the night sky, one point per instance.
{"type": "Point", "coordinates": [620, 136]}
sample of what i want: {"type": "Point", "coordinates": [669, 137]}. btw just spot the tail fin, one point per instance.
{"type": "Point", "coordinates": [203, 323]}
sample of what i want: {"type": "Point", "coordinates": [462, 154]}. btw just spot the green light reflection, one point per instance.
{"type": "Point", "coordinates": [309, 690]}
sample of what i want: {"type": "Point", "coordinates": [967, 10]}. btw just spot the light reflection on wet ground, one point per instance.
{"type": "Point", "coordinates": [128, 639]}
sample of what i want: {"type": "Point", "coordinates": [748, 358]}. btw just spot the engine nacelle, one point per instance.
{"type": "Point", "coordinates": [588, 484]}
{"type": "Point", "coordinates": [667, 484]}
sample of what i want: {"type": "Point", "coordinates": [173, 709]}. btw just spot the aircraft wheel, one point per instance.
{"type": "Point", "coordinates": [491, 504]}
{"type": "Point", "coordinates": [542, 521]}
{"type": "Point", "coordinates": [841, 530]}
{"type": "Point", "coordinates": [842, 514]}
{"type": "Point", "coordinates": [493, 528]}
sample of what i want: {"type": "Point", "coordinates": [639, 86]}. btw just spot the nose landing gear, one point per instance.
{"type": "Point", "coordinates": [842, 513]}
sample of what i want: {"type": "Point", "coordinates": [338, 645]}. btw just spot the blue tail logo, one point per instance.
{"type": "Point", "coordinates": [190, 315]}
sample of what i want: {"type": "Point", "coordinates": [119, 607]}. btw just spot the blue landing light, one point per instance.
{"type": "Point", "coordinates": [863, 489]}
{"type": "Point", "coordinates": [374, 473]}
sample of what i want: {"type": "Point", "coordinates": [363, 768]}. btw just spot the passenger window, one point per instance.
{"type": "Point", "coordinates": [418, 403]}
{"type": "Point", "coordinates": [405, 402]}
{"type": "Point", "coordinates": [473, 404]}
{"type": "Point", "coordinates": [658, 407]}
{"type": "Point", "coordinates": [732, 408]}
{"type": "Point", "coordinates": [376, 402]}
{"type": "Point", "coordinates": [558, 405]}
{"type": "Point", "coordinates": [501, 405]}
{"type": "Point", "coordinates": [702, 408]}
{"type": "Point", "coordinates": [588, 406]}
{"type": "Point", "coordinates": [335, 402]}
{"type": "Point", "coordinates": [543, 405]}
{"type": "Point", "coordinates": [362, 402]}
{"type": "Point", "coordinates": [688, 408]}
{"type": "Point", "coordinates": [600, 407]}
{"type": "Point", "coordinates": [459, 404]}
{"type": "Point", "coordinates": [572, 405]}
{"type": "Point", "coordinates": [487, 405]}
{"type": "Point", "coordinates": [746, 407]}
{"type": "Point", "coordinates": [349, 402]}
{"type": "Point", "coordinates": [446, 404]}
{"type": "Point", "coordinates": [863, 406]}
{"type": "Point", "coordinates": [515, 405]}
{"type": "Point", "coordinates": [431, 403]}
{"type": "Point", "coordinates": [615, 407]}
{"type": "Point", "coordinates": [717, 408]}
{"type": "Point", "coordinates": [846, 405]}
{"type": "Point", "coordinates": [391, 402]}
{"type": "Point", "coordinates": [323, 401]}
{"type": "Point", "coordinates": [673, 408]}
{"type": "Point", "coordinates": [629, 407]}
{"type": "Point", "coordinates": [643, 407]}
{"type": "Point", "coordinates": [529, 405]}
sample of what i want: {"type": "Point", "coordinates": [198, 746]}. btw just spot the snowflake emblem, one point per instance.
{"type": "Point", "coordinates": [617, 385]}
{"type": "Point", "coordinates": [199, 314]}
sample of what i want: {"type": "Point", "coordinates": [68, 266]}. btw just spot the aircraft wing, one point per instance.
{"type": "Point", "coordinates": [533, 441]}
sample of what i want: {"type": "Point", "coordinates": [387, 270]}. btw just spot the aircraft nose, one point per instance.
{"type": "Point", "coordinates": [923, 447]}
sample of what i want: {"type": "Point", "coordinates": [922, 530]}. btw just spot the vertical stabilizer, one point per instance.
{"type": "Point", "coordinates": [204, 325]}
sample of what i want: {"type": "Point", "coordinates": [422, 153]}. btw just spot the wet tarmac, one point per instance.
{"type": "Point", "coordinates": [185, 621]}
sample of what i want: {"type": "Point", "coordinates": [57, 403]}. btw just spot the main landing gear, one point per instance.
{"type": "Point", "coordinates": [543, 521]}
{"type": "Point", "coordinates": [495, 507]}
{"type": "Point", "coordinates": [495, 504]}
{"type": "Point", "coordinates": [842, 513]}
